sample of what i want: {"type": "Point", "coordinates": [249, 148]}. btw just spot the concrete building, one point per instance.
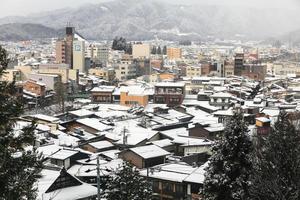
{"type": "Point", "coordinates": [107, 74]}
{"type": "Point", "coordinates": [50, 80]}
{"type": "Point", "coordinates": [174, 53]}
{"type": "Point", "coordinates": [11, 75]}
{"type": "Point", "coordinates": [193, 71]}
{"type": "Point", "coordinates": [140, 51]}
{"type": "Point", "coordinates": [79, 55]}
{"type": "Point", "coordinates": [55, 69]}
{"type": "Point", "coordinates": [221, 100]}
{"type": "Point", "coordinates": [64, 47]}
{"type": "Point", "coordinates": [238, 64]}
{"type": "Point", "coordinates": [229, 69]}
{"type": "Point", "coordinates": [25, 71]}
{"type": "Point", "coordinates": [125, 69]}
{"type": "Point", "coordinates": [169, 93]}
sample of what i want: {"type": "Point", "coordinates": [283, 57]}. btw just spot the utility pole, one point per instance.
{"type": "Point", "coordinates": [98, 178]}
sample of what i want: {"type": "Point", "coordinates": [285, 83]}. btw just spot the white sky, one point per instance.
{"type": "Point", "coordinates": [24, 7]}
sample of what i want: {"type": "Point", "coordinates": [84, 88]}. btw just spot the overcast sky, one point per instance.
{"type": "Point", "coordinates": [24, 7]}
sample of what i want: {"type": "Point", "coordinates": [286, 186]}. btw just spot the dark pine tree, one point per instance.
{"type": "Point", "coordinates": [19, 168]}
{"type": "Point", "coordinates": [159, 52]}
{"type": "Point", "coordinates": [127, 184]}
{"type": "Point", "coordinates": [276, 174]}
{"type": "Point", "coordinates": [165, 50]}
{"type": "Point", "coordinates": [153, 50]}
{"type": "Point", "coordinates": [227, 176]}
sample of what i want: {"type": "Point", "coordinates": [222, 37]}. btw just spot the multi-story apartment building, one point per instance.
{"type": "Point", "coordinates": [49, 80]}
{"type": "Point", "coordinates": [169, 93]}
{"type": "Point", "coordinates": [105, 73]}
{"type": "Point", "coordinates": [125, 69]}
{"type": "Point", "coordinates": [238, 64]}
{"type": "Point", "coordinates": [221, 100]}
{"type": "Point", "coordinates": [64, 47]}
{"type": "Point", "coordinates": [193, 71]}
{"type": "Point", "coordinates": [141, 51]}
{"type": "Point", "coordinates": [174, 53]}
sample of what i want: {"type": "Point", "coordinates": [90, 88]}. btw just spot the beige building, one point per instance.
{"type": "Point", "coordinates": [174, 53]}
{"type": "Point", "coordinates": [11, 75]}
{"type": "Point", "coordinates": [140, 51]}
{"type": "Point", "coordinates": [229, 70]}
{"type": "Point", "coordinates": [284, 69]}
{"type": "Point", "coordinates": [25, 71]}
{"type": "Point", "coordinates": [79, 55]}
{"type": "Point", "coordinates": [104, 73]}
{"type": "Point", "coordinates": [64, 47]}
{"type": "Point", "coordinates": [193, 71]}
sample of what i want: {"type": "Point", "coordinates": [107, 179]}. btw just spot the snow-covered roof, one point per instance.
{"type": "Point", "coordinates": [63, 154]}
{"type": "Point", "coordinates": [170, 84]}
{"type": "Point", "coordinates": [101, 144]}
{"type": "Point", "coordinates": [45, 118]}
{"type": "Point", "coordinates": [94, 123]}
{"type": "Point", "coordinates": [162, 143]}
{"type": "Point", "coordinates": [81, 113]}
{"type": "Point", "coordinates": [103, 88]}
{"type": "Point", "coordinates": [177, 172]}
{"type": "Point", "coordinates": [189, 141]}
{"type": "Point", "coordinates": [69, 193]}
{"type": "Point", "coordinates": [263, 119]}
{"type": "Point", "coordinates": [221, 95]}
{"type": "Point", "coordinates": [149, 151]}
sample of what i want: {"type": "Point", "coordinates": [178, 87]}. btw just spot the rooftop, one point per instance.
{"type": "Point", "coordinates": [150, 151]}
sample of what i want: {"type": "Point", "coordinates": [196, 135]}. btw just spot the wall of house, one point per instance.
{"type": "Point", "coordinates": [35, 88]}
{"type": "Point", "coordinates": [131, 100]}
{"type": "Point", "coordinates": [134, 159]}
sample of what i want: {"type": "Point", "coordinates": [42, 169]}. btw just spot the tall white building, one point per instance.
{"type": "Point", "coordinates": [79, 55]}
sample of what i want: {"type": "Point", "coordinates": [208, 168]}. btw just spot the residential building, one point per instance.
{"type": "Point", "coordinates": [174, 53]}
{"type": "Point", "coordinates": [221, 100]}
{"type": "Point", "coordinates": [106, 73]}
{"type": "Point", "coordinates": [238, 64]}
{"type": "Point", "coordinates": [135, 95]}
{"type": "Point", "coordinates": [193, 71]}
{"type": "Point", "coordinates": [103, 94]}
{"type": "Point", "coordinates": [175, 181]}
{"type": "Point", "coordinates": [34, 87]}
{"type": "Point", "coordinates": [145, 156]}
{"type": "Point", "coordinates": [169, 93]}
{"type": "Point", "coordinates": [25, 71]}
{"type": "Point", "coordinates": [64, 47]}
{"type": "Point", "coordinates": [141, 51]}
{"type": "Point", "coordinates": [50, 80]}
{"type": "Point", "coordinates": [11, 75]}
{"type": "Point", "coordinates": [125, 69]}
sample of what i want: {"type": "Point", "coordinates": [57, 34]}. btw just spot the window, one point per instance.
{"type": "Point", "coordinates": [167, 187]}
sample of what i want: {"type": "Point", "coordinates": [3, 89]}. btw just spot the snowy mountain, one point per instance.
{"type": "Point", "coordinates": [138, 20]}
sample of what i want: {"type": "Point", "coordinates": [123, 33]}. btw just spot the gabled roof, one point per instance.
{"type": "Point", "coordinates": [150, 151]}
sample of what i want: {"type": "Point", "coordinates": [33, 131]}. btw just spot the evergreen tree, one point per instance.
{"type": "Point", "coordinates": [60, 95]}
{"type": "Point", "coordinates": [158, 50]}
{"type": "Point", "coordinates": [128, 48]}
{"type": "Point", "coordinates": [153, 50]}
{"type": "Point", "coordinates": [165, 50]}
{"type": "Point", "coordinates": [276, 174]}
{"type": "Point", "coordinates": [227, 176]}
{"type": "Point", "coordinates": [127, 184]}
{"type": "Point", "coordinates": [19, 168]}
